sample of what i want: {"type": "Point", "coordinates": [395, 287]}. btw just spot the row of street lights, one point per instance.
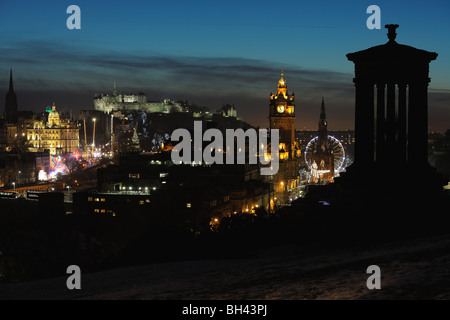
{"type": "Point", "coordinates": [140, 189]}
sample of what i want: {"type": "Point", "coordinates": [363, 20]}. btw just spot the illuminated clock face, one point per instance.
{"type": "Point", "coordinates": [280, 109]}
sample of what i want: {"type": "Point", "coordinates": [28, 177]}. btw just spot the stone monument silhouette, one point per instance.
{"type": "Point", "coordinates": [391, 118]}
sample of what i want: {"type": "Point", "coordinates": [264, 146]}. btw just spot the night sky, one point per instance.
{"type": "Point", "coordinates": [213, 52]}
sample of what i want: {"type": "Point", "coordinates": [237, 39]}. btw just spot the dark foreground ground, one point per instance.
{"type": "Point", "coordinates": [414, 269]}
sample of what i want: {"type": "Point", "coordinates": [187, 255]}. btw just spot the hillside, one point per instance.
{"type": "Point", "coordinates": [415, 269]}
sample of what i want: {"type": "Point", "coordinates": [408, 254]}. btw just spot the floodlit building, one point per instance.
{"type": "Point", "coordinates": [57, 135]}
{"type": "Point", "coordinates": [132, 102]}
{"type": "Point", "coordinates": [282, 117]}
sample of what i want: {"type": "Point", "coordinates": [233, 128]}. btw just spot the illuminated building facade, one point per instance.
{"type": "Point", "coordinates": [132, 102]}
{"type": "Point", "coordinates": [110, 203]}
{"type": "Point", "coordinates": [282, 117]}
{"type": "Point", "coordinates": [57, 135]}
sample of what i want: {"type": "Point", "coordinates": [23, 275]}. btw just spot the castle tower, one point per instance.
{"type": "Point", "coordinates": [11, 102]}
{"type": "Point", "coordinates": [114, 89]}
{"type": "Point", "coordinates": [282, 117]}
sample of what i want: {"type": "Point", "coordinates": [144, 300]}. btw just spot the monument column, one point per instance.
{"type": "Point", "coordinates": [418, 122]}
{"type": "Point", "coordinates": [364, 123]}
{"type": "Point", "coordinates": [402, 119]}
{"type": "Point", "coordinates": [390, 132]}
{"type": "Point", "coordinates": [381, 134]}
{"type": "Point", "coordinates": [402, 122]}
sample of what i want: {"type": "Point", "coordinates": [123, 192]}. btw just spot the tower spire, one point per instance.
{"type": "Point", "coordinates": [282, 83]}
{"type": "Point", "coordinates": [114, 89]}
{"type": "Point", "coordinates": [323, 130]}
{"type": "Point", "coordinates": [323, 116]}
{"type": "Point", "coordinates": [11, 85]}
{"type": "Point", "coordinates": [322, 110]}
{"type": "Point", "coordinates": [11, 102]}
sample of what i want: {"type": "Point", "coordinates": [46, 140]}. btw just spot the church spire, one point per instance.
{"type": "Point", "coordinates": [322, 111]}
{"type": "Point", "coordinates": [11, 85]}
{"type": "Point", "coordinates": [11, 102]}
{"type": "Point", "coordinates": [323, 130]}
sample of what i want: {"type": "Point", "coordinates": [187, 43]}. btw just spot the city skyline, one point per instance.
{"type": "Point", "coordinates": [212, 54]}
{"type": "Point", "coordinates": [224, 151]}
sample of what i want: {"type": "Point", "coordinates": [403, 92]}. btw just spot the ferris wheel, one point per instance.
{"type": "Point", "coordinates": [336, 148]}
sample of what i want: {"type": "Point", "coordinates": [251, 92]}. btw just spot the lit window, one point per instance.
{"type": "Point", "coordinates": [103, 200]}
{"type": "Point", "coordinates": [96, 210]}
{"type": "Point", "coordinates": [90, 199]}
{"type": "Point", "coordinates": [103, 211]}
{"type": "Point", "coordinates": [188, 205]}
{"type": "Point", "coordinates": [97, 199]}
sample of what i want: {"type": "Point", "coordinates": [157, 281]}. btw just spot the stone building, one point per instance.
{"type": "Point", "coordinates": [391, 118]}
{"type": "Point", "coordinates": [57, 135]}
{"type": "Point", "coordinates": [282, 117]}
{"type": "Point", "coordinates": [132, 102]}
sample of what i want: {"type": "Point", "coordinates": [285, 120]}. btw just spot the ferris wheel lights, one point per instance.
{"type": "Point", "coordinates": [336, 149]}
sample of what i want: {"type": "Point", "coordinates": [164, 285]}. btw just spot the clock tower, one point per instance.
{"type": "Point", "coordinates": [282, 117]}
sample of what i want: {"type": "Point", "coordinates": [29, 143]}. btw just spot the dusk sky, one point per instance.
{"type": "Point", "coordinates": [213, 52]}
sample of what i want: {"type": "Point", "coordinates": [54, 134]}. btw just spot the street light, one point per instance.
{"type": "Point", "coordinates": [14, 185]}
{"type": "Point", "coordinates": [93, 137]}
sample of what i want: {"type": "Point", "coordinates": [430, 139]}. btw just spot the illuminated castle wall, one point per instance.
{"type": "Point", "coordinates": [132, 102]}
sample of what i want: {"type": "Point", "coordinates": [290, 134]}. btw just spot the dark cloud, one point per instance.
{"type": "Point", "coordinates": [46, 71]}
